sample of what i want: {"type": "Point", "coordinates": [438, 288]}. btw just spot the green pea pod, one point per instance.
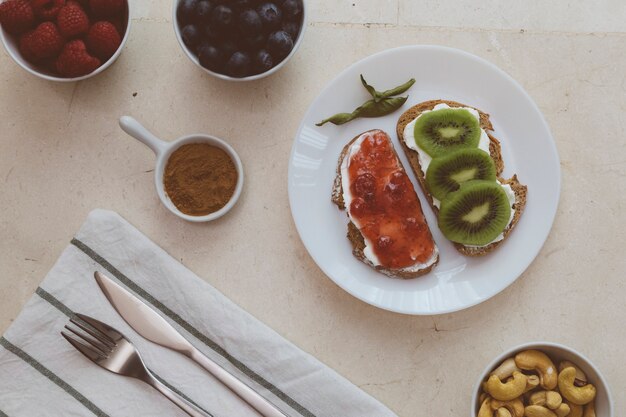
{"type": "Point", "coordinates": [338, 119]}
{"type": "Point", "coordinates": [369, 109]}
{"type": "Point", "coordinates": [397, 90]}
{"type": "Point", "coordinates": [370, 89]}
{"type": "Point", "coordinates": [385, 106]}
{"type": "Point", "coordinates": [378, 96]}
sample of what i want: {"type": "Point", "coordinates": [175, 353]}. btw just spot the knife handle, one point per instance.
{"type": "Point", "coordinates": [253, 398]}
{"type": "Point", "coordinates": [183, 404]}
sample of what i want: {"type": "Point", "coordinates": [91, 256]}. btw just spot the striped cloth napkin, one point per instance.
{"type": "Point", "coordinates": [42, 375]}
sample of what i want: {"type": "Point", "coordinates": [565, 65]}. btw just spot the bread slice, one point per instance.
{"type": "Point", "coordinates": [354, 235]}
{"type": "Point", "coordinates": [495, 153]}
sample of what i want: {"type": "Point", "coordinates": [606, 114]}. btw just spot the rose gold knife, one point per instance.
{"type": "Point", "coordinates": [149, 324]}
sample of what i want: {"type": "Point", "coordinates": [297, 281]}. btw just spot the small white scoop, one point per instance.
{"type": "Point", "coordinates": [164, 149]}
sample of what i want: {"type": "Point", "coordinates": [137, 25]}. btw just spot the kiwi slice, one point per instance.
{"type": "Point", "coordinates": [475, 214]}
{"type": "Point", "coordinates": [440, 131]}
{"type": "Point", "coordinates": [446, 173]}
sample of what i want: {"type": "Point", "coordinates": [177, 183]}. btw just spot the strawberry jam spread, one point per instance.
{"type": "Point", "coordinates": [384, 205]}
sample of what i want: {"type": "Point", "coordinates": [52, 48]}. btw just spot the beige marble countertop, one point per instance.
{"type": "Point", "coordinates": [62, 154]}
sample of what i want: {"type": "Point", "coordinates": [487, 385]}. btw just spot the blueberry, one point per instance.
{"type": "Point", "coordinates": [190, 35]}
{"type": "Point", "coordinates": [292, 29]}
{"type": "Point", "coordinates": [279, 44]}
{"type": "Point", "coordinates": [228, 48]}
{"type": "Point", "coordinates": [250, 22]}
{"type": "Point", "coordinates": [292, 9]}
{"type": "Point", "coordinates": [238, 65]}
{"type": "Point", "coordinates": [185, 11]}
{"type": "Point", "coordinates": [262, 62]}
{"type": "Point", "coordinates": [203, 11]}
{"type": "Point", "coordinates": [211, 33]}
{"type": "Point", "coordinates": [253, 43]}
{"type": "Point", "coordinates": [210, 57]}
{"type": "Point", "coordinates": [270, 15]}
{"type": "Point", "coordinates": [222, 17]}
{"type": "Point", "coordinates": [243, 4]}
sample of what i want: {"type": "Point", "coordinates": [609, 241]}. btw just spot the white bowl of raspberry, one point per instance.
{"type": "Point", "coordinates": [64, 40]}
{"type": "Point", "coordinates": [239, 40]}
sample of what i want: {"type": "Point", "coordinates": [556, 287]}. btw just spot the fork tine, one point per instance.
{"type": "Point", "coordinates": [95, 333]}
{"type": "Point", "coordinates": [94, 344]}
{"type": "Point", "coordinates": [102, 327]}
{"type": "Point", "coordinates": [82, 348]}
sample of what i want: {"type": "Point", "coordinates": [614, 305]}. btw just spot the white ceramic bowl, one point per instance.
{"type": "Point", "coordinates": [164, 149]}
{"type": "Point", "coordinates": [11, 44]}
{"type": "Point", "coordinates": [271, 71]}
{"type": "Point", "coordinates": [557, 352]}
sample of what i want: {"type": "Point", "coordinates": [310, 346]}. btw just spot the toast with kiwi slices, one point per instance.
{"type": "Point", "coordinates": [387, 227]}
{"type": "Point", "coordinates": [458, 164]}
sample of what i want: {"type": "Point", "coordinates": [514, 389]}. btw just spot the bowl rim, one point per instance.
{"type": "Point", "coordinates": [18, 59]}
{"type": "Point", "coordinates": [164, 156]}
{"type": "Point", "coordinates": [538, 346]}
{"type": "Point", "coordinates": [267, 73]}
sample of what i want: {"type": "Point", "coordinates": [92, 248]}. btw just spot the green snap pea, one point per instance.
{"type": "Point", "coordinates": [370, 89]}
{"type": "Point", "coordinates": [397, 90]}
{"type": "Point", "coordinates": [381, 104]}
{"type": "Point", "coordinates": [370, 108]}
{"type": "Point", "coordinates": [338, 119]}
{"type": "Point", "coordinates": [378, 95]}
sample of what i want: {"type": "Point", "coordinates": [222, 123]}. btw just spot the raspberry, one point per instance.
{"type": "Point", "coordinates": [103, 40]}
{"type": "Point", "coordinates": [105, 8]}
{"type": "Point", "coordinates": [26, 53]}
{"type": "Point", "coordinates": [43, 42]}
{"type": "Point", "coordinates": [17, 16]}
{"type": "Point", "coordinates": [72, 20]}
{"type": "Point", "coordinates": [119, 23]}
{"type": "Point", "coordinates": [84, 4]}
{"type": "Point", "coordinates": [47, 9]}
{"type": "Point", "coordinates": [75, 61]}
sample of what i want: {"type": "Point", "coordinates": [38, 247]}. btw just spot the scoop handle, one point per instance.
{"type": "Point", "coordinates": [136, 130]}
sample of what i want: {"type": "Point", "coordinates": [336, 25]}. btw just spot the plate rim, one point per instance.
{"type": "Point", "coordinates": [517, 86]}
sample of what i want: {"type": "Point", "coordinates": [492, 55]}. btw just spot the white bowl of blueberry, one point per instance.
{"type": "Point", "coordinates": [239, 40]}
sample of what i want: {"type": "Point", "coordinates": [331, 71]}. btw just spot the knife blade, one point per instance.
{"type": "Point", "coordinates": [144, 320]}
{"type": "Point", "coordinates": [149, 324]}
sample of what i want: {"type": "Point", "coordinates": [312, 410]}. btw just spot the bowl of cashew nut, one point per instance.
{"type": "Point", "coordinates": [541, 379]}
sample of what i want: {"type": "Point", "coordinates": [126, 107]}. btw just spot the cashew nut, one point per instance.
{"type": "Point", "coordinates": [540, 362]}
{"type": "Point", "coordinates": [581, 378]}
{"type": "Point", "coordinates": [538, 411]}
{"type": "Point", "coordinates": [503, 412]}
{"type": "Point", "coordinates": [550, 399]}
{"type": "Point", "coordinates": [537, 398]}
{"type": "Point", "coordinates": [485, 408]}
{"type": "Point", "coordinates": [590, 410]}
{"type": "Point", "coordinates": [562, 411]}
{"type": "Point", "coordinates": [575, 409]}
{"type": "Point", "coordinates": [553, 400]}
{"type": "Point", "coordinates": [515, 407]}
{"type": "Point", "coordinates": [506, 369]}
{"type": "Point", "coordinates": [506, 391]}
{"type": "Point", "coordinates": [576, 395]}
{"type": "Point", "coordinates": [482, 397]}
{"type": "Point", "coordinates": [532, 382]}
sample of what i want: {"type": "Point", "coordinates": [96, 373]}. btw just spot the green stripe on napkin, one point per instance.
{"type": "Point", "coordinates": [52, 377]}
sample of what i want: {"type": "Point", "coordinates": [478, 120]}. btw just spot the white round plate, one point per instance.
{"type": "Point", "coordinates": [528, 150]}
